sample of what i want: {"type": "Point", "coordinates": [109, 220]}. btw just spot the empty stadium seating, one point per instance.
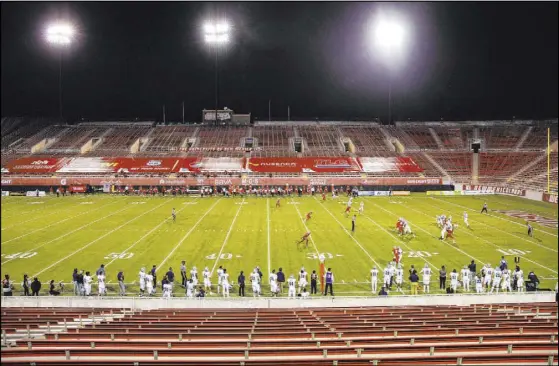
{"type": "Point", "coordinates": [274, 140]}
{"type": "Point", "coordinates": [513, 334]}
{"type": "Point", "coordinates": [368, 141]}
{"type": "Point", "coordinates": [118, 140]}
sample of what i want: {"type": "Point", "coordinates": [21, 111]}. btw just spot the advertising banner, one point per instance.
{"type": "Point", "coordinates": [442, 193]}
{"type": "Point", "coordinates": [401, 193]}
{"type": "Point", "coordinates": [89, 165]}
{"type": "Point", "coordinates": [551, 198]}
{"type": "Point", "coordinates": [35, 193]}
{"type": "Point", "coordinates": [33, 165]}
{"type": "Point", "coordinates": [219, 181]}
{"type": "Point", "coordinates": [374, 193]}
{"type": "Point", "coordinates": [303, 165]}
{"type": "Point", "coordinates": [476, 193]}
{"type": "Point", "coordinates": [147, 165]}
{"type": "Point", "coordinates": [5, 193]}
{"type": "Point", "coordinates": [399, 164]}
{"type": "Point", "coordinates": [78, 189]}
{"type": "Point", "coordinates": [498, 190]}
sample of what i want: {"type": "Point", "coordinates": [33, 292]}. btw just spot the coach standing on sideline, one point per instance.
{"type": "Point", "coordinates": [353, 223]}
{"type": "Point", "coordinates": [472, 267]}
{"type": "Point", "coordinates": [241, 281]}
{"type": "Point", "coordinates": [281, 280]}
{"type": "Point", "coordinates": [329, 280]}
{"type": "Point", "coordinates": [183, 273]}
{"type": "Point", "coordinates": [120, 278]}
{"type": "Point", "coordinates": [442, 278]}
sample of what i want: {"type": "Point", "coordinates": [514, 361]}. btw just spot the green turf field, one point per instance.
{"type": "Point", "coordinates": [48, 237]}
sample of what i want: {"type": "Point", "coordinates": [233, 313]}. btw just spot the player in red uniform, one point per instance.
{"type": "Point", "coordinates": [308, 216]}
{"type": "Point", "coordinates": [278, 203]}
{"type": "Point", "coordinates": [324, 196]}
{"type": "Point", "coordinates": [399, 226]}
{"type": "Point", "coordinates": [305, 239]}
{"type": "Point", "coordinates": [397, 251]}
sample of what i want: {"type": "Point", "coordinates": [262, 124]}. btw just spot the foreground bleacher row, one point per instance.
{"type": "Point", "coordinates": [512, 334]}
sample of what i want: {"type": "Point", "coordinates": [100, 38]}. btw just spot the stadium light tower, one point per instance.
{"type": "Point", "coordinates": [217, 35]}
{"type": "Point", "coordinates": [60, 35]}
{"type": "Point", "coordinates": [389, 40]}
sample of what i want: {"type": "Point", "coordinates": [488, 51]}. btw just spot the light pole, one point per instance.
{"type": "Point", "coordinates": [61, 36]}
{"type": "Point", "coordinates": [389, 40]}
{"type": "Point", "coordinates": [216, 34]}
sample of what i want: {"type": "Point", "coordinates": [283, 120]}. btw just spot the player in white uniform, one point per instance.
{"type": "Point", "coordinates": [387, 276]}
{"type": "Point", "coordinates": [361, 207]}
{"type": "Point", "coordinates": [87, 283]}
{"type": "Point", "coordinates": [219, 279]}
{"type": "Point", "coordinates": [407, 229]}
{"type": "Point", "coordinates": [142, 275]}
{"type": "Point", "coordinates": [497, 277]}
{"type": "Point", "coordinates": [149, 284]}
{"type": "Point", "coordinates": [194, 276]}
{"type": "Point", "coordinates": [399, 277]}
{"type": "Point", "coordinates": [190, 289]}
{"type": "Point", "coordinates": [466, 219]}
{"type": "Point", "coordinates": [426, 278]}
{"type": "Point", "coordinates": [255, 280]}
{"type": "Point", "coordinates": [505, 286]}
{"type": "Point", "coordinates": [207, 281]}
{"type": "Point", "coordinates": [302, 279]}
{"type": "Point", "coordinates": [453, 280]}
{"type": "Point", "coordinates": [225, 283]}
{"type": "Point", "coordinates": [101, 284]}
{"type": "Point", "coordinates": [479, 285]}
{"type": "Point", "coordinates": [465, 278]}
{"type": "Point", "coordinates": [167, 290]}
{"type": "Point", "coordinates": [274, 283]}
{"type": "Point", "coordinates": [488, 276]}
{"type": "Point", "coordinates": [374, 279]}
{"type": "Point", "coordinates": [291, 287]}
{"type": "Point", "coordinates": [519, 279]}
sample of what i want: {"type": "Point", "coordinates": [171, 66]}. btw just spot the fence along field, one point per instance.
{"type": "Point", "coordinates": [49, 237]}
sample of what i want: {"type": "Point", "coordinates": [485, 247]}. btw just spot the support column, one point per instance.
{"type": "Point", "coordinates": [475, 168]}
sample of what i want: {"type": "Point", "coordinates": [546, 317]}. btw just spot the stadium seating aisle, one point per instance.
{"type": "Point", "coordinates": [513, 334]}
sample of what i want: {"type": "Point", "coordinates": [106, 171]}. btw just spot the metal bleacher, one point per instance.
{"type": "Point", "coordinates": [511, 334]}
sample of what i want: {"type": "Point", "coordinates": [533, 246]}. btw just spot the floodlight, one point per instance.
{"type": "Point", "coordinates": [60, 34]}
{"type": "Point", "coordinates": [216, 32]}
{"type": "Point", "coordinates": [389, 35]}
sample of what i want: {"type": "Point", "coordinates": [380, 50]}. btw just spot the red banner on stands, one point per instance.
{"type": "Point", "coordinates": [147, 165]}
{"type": "Point", "coordinates": [303, 165]}
{"type": "Point", "coordinates": [78, 189]}
{"type": "Point", "coordinates": [551, 198]}
{"type": "Point", "coordinates": [33, 165]}
{"type": "Point", "coordinates": [492, 189]}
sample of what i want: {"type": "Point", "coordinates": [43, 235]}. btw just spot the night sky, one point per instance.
{"type": "Point", "coordinates": [464, 61]}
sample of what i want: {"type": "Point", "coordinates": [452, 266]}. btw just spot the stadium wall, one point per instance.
{"type": "Point", "coordinates": [240, 303]}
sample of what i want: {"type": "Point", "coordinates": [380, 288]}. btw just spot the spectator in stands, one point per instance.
{"type": "Point", "coordinates": [120, 278]}
{"type": "Point", "coordinates": [442, 278]}
{"type": "Point", "coordinates": [35, 287]}
{"type": "Point", "coordinates": [472, 267]}
{"type": "Point", "coordinates": [241, 281]}
{"type": "Point", "coordinates": [383, 291]}
{"type": "Point", "coordinates": [25, 285]}
{"type": "Point", "coordinates": [52, 290]}
{"type": "Point", "coordinates": [281, 279]}
{"type": "Point", "coordinates": [183, 273]}
{"type": "Point", "coordinates": [7, 286]}
{"type": "Point", "coordinates": [414, 280]}
{"type": "Point", "coordinates": [75, 282]}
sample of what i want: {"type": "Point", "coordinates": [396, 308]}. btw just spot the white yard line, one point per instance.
{"type": "Point", "coordinates": [96, 240]}
{"type": "Point", "coordinates": [350, 235]}
{"type": "Point", "coordinates": [227, 236]}
{"type": "Point", "coordinates": [70, 232]}
{"type": "Point", "coordinates": [500, 218]}
{"type": "Point", "coordinates": [187, 234]}
{"type": "Point", "coordinates": [268, 221]}
{"type": "Point", "coordinates": [482, 239]}
{"type": "Point", "coordinates": [143, 237]}
{"type": "Point", "coordinates": [305, 226]}
{"type": "Point", "coordinates": [35, 210]}
{"type": "Point", "coordinates": [56, 223]}
{"type": "Point", "coordinates": [505, 232]}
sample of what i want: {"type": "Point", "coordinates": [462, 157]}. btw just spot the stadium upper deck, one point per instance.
{"type": "Point", "coordinates": [511, 152]}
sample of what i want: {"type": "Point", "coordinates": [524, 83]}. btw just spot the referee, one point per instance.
{"type": "Point", "coordinates": [530, 230]}
{"type": "Point", "coordinates": [353, 223]}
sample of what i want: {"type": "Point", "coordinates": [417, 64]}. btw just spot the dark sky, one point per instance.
{"type": "Point", "coordinates": [464, 61]}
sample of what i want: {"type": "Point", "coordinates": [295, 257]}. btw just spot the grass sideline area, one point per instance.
{"type": "Point", "coordinates": [48, 237]}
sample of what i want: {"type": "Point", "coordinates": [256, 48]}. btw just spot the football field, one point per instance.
{"type": "Point", "coordinates": [48, 237]}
